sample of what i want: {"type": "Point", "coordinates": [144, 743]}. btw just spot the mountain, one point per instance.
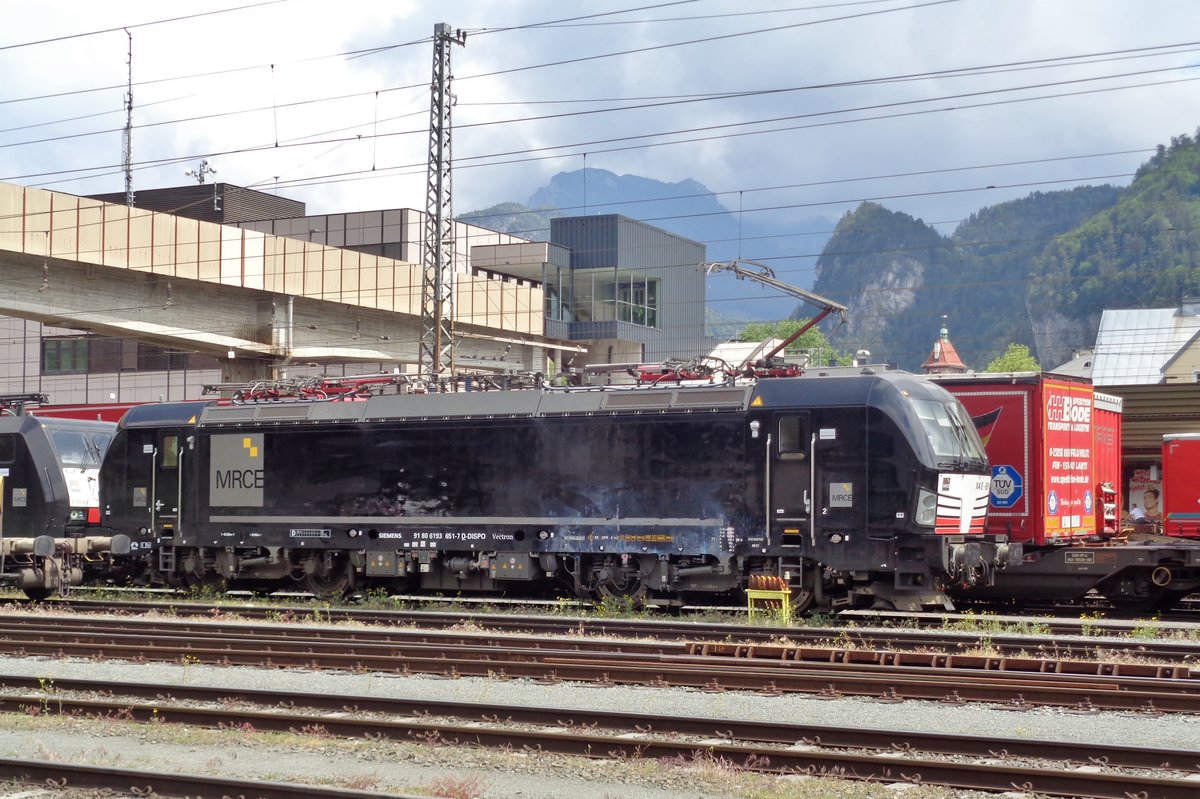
{"type": "Point", "coordinates": [1038, 270]}
{"type": "Point", "coordinates": [900, 277]}
{"type": "Point", "coordinates": [1143, 252]}
{"type": "Point", "coordinates": [686, 208]}
{"type": "Point", "coordinates": [513, 218]}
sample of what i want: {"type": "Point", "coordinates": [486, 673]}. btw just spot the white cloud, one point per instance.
{"type": "Point", "coordinates": [334, 171]}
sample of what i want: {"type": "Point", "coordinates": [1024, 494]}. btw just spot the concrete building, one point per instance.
{"type": "Point", "coordinates": [217, 292]}
{"type": "Point", "coordinates": [630, 292]}
{"type": "Point", "coordinates": [111, 303]}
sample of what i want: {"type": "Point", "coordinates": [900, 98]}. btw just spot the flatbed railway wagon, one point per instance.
{"type": "Point", "coordinates": [1054, 447]}
{"type": "Point", "coordinates": [851, 486]}
{"type": "Point", "coordinates": [49, 492]}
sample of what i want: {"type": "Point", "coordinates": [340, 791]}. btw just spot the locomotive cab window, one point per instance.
{"type": "Point", "coordinates": [170, 451]}
{"type": "Point", "coordinates": [948, 426]}
{"type": "Point", "coordinates": [75, 448]}
{"type": "Point", "coordinates": [72, 451]}
{"type": "Point", "coordinates": [793, 438]}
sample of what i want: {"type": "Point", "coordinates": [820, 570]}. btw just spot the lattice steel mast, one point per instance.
{"type": "Point", "coordinates": [127, 135]}
{"type": "Point", "coordinates": [436, 354]}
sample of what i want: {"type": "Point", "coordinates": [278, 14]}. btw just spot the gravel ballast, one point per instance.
{"type": "Point", "coordinates": [474, 772]}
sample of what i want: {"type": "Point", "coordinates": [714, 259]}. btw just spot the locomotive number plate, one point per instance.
{"type": "Point", "coordinates": [309, 532]}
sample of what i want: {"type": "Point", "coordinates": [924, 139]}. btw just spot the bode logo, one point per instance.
{"type": "Point", "coordinates": [236, 471]}
{"type": "Point", "coordinates": [1064, 412]}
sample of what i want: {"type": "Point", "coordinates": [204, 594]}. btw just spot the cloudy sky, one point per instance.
{"type": "Point", "coordinates": [792, 111]}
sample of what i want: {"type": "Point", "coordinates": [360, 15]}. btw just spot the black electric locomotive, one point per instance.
{"type": "Point", "coordinates": [852, 485]}
{"type": "Point", "coordinates": [49, 479]}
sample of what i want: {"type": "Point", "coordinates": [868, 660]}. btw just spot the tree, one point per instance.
{"type": "Point", "coordinates": [1017, 358]}
{"type": "Point", "coordinates": [812, 341]}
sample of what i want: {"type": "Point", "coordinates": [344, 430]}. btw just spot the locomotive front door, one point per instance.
{"type": "Point", "coordinates": [790, 488]}
{"type": "Point", "coordinates": [164, 484]}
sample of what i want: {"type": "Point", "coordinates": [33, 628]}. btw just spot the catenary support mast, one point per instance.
{"type": "Point", "coordinates": [127, 136]}
{"type": "Point", "coordinates": [436, 352]}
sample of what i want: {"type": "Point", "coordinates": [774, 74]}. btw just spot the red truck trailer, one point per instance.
{"type": "Point", "coordinates": [1181, 484]}
{"type": "Point", "coordinates": [1047, 437]}
{"type": "Point", "coordinates": [1055, 448]}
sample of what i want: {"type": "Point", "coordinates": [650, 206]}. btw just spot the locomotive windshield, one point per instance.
{"type": "Point", "coordinates": [950, 431]}
{"type": "Point", "coordinates": [78, 448]}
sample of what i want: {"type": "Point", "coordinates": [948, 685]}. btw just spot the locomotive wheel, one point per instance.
{"type": "Point", "coordinates": [803, 599]}
{"type": "Point", "coordinates": [36, 594]}
{"type": "Point", "coordinates": [334, 582]}
{"type": "Point", "coordinates": [1154, 601]}
{"type": "Point", "coordinates": [206, 583]}
{"type": "Point", "coordinates": [623, 583]}
{"type": "Point", "coordinates": [209, 582]}
{"type": "Point", "coordinates": [634, 594]}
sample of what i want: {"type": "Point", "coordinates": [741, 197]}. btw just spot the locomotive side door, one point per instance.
{"type": "Point", "coordinates": [790, 481]}
{"type": "Point", "coordinates": [164, 483]}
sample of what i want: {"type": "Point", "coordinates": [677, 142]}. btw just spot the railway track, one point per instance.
{"type": "Point", "coordinates": [1101, 639]}
{"type": "Point", "coordinates": [977, 762]}
{"type": "Point", "coordinates": [65, 778]}
{"type": "Point", "coordinates": [1015, 682]}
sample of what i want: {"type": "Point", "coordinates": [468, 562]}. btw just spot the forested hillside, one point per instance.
{"type": "Point", "coordinates": [1143, 252]}
{"type": "Point", "coordinates": [1036, 271]}
{"type": "Point", "coordinates": [900, 276]}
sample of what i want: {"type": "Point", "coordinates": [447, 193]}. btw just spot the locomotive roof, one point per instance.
{"type": "Point", "coordinates": [25, 422]}
{"type": "Point", "coordinates": [158, 414]}
{"type": "Point", "coordinates": [819, 388]}
{"type": "Point", "coordinates": [837, 386]}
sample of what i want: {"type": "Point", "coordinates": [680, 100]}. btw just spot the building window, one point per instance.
{"type": "Point", "coordinates": [634, 299]}
{"type": "Point", "coordinates": [104, 354]}
{"type": "Point", "coordinates": [151, 358]}
{"type": "Point", "coordinates": [64, 356]}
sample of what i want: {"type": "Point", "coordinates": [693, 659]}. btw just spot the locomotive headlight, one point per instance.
{"type": "Point", "coordinates": [926, 514]}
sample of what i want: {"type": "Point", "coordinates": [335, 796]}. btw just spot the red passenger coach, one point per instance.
{"type": "Point", "coordinates": [1039, 431]}
{"type": "Point", "coordinates": [110, 412]}
{"type": "Point", "coordinates": [1181, 484]}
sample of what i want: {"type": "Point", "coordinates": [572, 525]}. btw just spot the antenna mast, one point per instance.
{"type": "Point", "coordinates": [127, 143]}
{"type": "Point", "coordinates": [436, 353]}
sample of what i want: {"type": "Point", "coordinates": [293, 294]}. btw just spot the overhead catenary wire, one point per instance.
{"type": "Point", "coordinates": [191, 157]}
{"type": "Point", "coordinates": [781, 206]}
